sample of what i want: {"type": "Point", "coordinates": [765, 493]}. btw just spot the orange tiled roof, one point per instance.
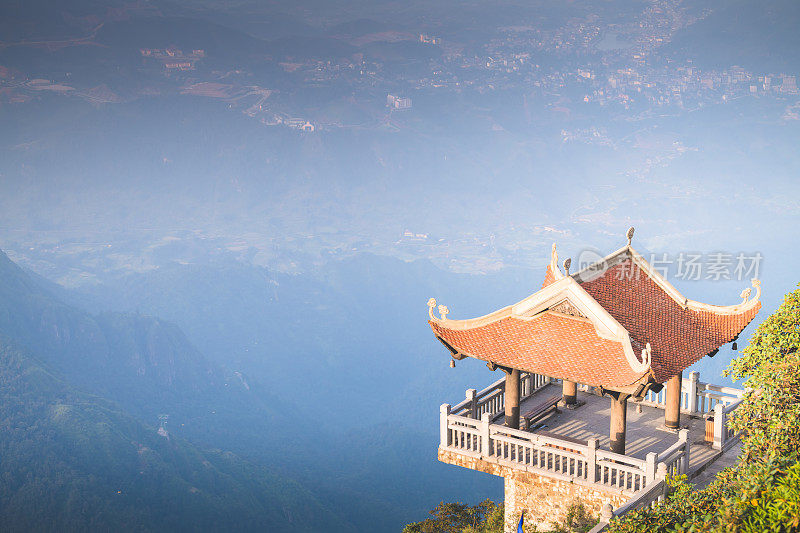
{"type": "Point", "coordinates": [552, 344]}
{"type": "Point", "coordinates": [630, 305]}
{"type": "Point", "coordinates": [679, 336]}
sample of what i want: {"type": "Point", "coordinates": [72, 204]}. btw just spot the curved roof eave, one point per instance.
{"type": "Point", "coordinates": [565, 288]}
{"type": "Point", "coordinates": [628, 380]}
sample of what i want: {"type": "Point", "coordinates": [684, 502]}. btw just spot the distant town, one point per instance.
{"type": "Point", "coordinates": [609, 65]}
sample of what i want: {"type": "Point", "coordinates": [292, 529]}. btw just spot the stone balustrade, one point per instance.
{"type": "Point", "coordinates": [705, 400]}
{"type": "Point", "coordinates": [697, 398]}
{"type": "Point", "coordinates": [492, 399]}
{"type": "Point", "coordinates": [651, 496]}
{"type": "Point", "coordinates": [563, 459]}
{"type": "Point", "coordinates": [467, 429]}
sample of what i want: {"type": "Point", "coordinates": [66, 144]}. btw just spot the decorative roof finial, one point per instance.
{"type": "Point", "coordinates": [431, 306]}
{"type": "Point", "coordinates": [554, 264]}
{"type": "Point", "coordinates": [647, 354]}
{"type": "Point", "coordinates": [746, 294]}
{"type": "Point", "coordinates": [567, 263]}
{"type": "Point", "coordinates": [443, 310]}
{"type": "Point", "coordinates": [630, 234]}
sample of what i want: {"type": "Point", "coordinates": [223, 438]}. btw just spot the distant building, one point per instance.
{"type": "Point", "coordinates": [178, 65]}
{"type": "Point", "coordinates": [411, 236]}
{"type": "Point", "coordinates": [173, 58]}
{"type": "Point", "coordinates": [398, 102]}
{"type": "Point", "coordinates": [299, 124]}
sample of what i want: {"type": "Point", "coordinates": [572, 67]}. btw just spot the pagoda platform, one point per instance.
{"type": "Point", "coordinates": [607, 345]}
{"type": "Point", "coordinates": [566, 452]}
{"type": "Point", "coordinates": [645, 430]}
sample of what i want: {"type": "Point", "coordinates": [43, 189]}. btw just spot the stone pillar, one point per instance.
{"type": "Point", "coordinates": [444, 437]}
{"type": "Point", "coordinates": [569, 392]}
{"type": "Point", "coordinates": [486, 445]}
{"type": "Point", "coordinates": [683, 436]}
{"type": "Point", "coordinates": [473, 402]}
{"type": "Point", "coordinates": [650, 461]}
{"type": "Point", "coordinates": [672, 409]}
{"type": "Point", "coordinates": [694, 378]}
{"type": "Point", "coordinates": [719, 426]}
{"type": "Point", "coordinates": [512, 399]}
{"type": "Point", "coordinates": [591, 460]}
{"type": "Point", "coordinates": [619, 415]}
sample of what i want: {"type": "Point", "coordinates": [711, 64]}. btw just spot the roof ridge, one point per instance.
{"type": "Point", "coordinates": [598, 268]}
{"type": "Point", "coordinates": [694, 305]}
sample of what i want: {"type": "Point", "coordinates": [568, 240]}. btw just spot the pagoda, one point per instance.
{"type": "Point", "coordinates": [616, 329]}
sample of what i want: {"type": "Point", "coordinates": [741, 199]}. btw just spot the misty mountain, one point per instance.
{"type": "Point", "coordinates": [75, 462]}
{"type": "Point", "coordinates": [340, 327]}
{"type": "Point", "coordinates": [144, 364]}
{"type": "Point", "coordinates": [754, 35]}
{"type": "Point", "coordinates": [182, 32]}
{"type": "Point", "coordinates": [349, 348]}
{"type": "Point", "coordinates": [317, 353]}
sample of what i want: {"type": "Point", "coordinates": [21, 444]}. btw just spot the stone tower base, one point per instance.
{"type": "Point", "coordinates": [545, 500]}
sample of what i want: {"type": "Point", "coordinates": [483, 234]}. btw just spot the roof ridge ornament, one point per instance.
{"type": "Point", "coordinates": [567, 264]}
{"type": "Point", "coordinates": [646, 354]}
{"type": "Point", "coordinates": [443, 310]}
{"type": "Point", "coordinates": [557, 274]}
{"type": "Point", "coordinates": [629, 235]}
{"type": "Point", "coordinates": [757, 284]}
{"type": "Point", "coordinates": [746, 294]}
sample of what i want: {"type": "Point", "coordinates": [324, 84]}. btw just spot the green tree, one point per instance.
{"type": "Point", "coordinates": [770, 368]}
{"type": "Point", "coordinates": [458, 517]}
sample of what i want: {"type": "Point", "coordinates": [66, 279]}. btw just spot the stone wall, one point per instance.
{"type": "Point", "coordinates": [544, 499]}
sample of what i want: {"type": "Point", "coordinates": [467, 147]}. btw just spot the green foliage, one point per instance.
{"type": "Point", "coordinates": [776, 506]}
{"type": "Point", "coordinates": [755, 497]}
{"type": "Point", "coordinates": [577, 520]}
{"type": "Point", "coordinates": [762, 493]}
{"type": "Point", "coordinates": [488, 517]}
{"type": "Point", "coordinates": [770, 367]}
{"type": "Point", "coordinates": [680, 507]}
{"type": "Point", "coordinates": [459, 518]}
